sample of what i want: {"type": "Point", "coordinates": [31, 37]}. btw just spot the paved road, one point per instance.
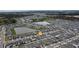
{"type": "Point", "coordinates": [1, 43]}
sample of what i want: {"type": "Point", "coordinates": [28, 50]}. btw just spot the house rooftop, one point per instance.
{"type": "Point", "coordinates": [41, 23]}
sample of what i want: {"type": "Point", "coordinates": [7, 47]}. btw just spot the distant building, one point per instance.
{"type": "Point", "coordinates": [41, 23]}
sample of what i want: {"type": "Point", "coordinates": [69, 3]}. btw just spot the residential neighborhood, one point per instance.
{"type": "Point", "coordinates": [39, 30]}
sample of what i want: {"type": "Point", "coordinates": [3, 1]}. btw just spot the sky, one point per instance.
{"type": "Point", "coordinates": [39, 4]}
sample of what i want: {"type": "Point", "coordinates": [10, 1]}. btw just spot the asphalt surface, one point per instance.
{"type": "Point", "coordinates": [1, 43]}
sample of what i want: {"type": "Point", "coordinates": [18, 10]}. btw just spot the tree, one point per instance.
{"type": "Point", "coordinates": [13, 21]}
{"type": "Point", "coordinates": [35, 20]}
